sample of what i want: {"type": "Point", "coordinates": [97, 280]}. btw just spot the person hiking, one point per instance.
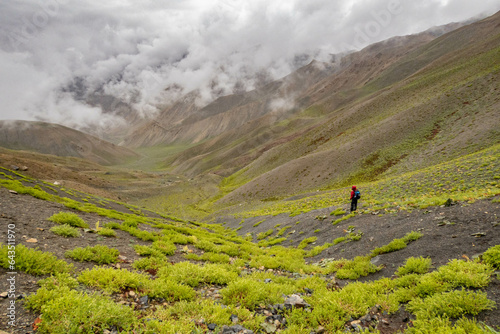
{"type": "Point", "coordinates": [355, 195]}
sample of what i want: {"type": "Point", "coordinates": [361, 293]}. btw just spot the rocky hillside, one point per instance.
{"type": "Point", "coordinates": [396, 106]}
{"type": "Point", "coordinates": [61, 141]}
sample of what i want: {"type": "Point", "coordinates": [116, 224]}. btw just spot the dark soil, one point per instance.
{"type": "Point", "coordinates": [452, 240]}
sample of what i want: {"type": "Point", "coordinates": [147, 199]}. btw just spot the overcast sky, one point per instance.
{"type": "Point", "coordinates": [54, 52]}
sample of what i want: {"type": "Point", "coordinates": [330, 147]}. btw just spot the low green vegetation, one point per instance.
{"type": "Point", "coordinates": [452, 304]}
{"type": "Point", "coordinates": [249, 292]}
{"type": "Point", "coordinates": [305, 242]}
{"type": "Point", "coordinates": [337, 212]}
{"type": "Point", "coordinates": [353, 269]}
{"type": "Point", "coordinates": [282, 231]}
{"type": "Point", "coordinates": [66, 231]}
{"type": "Point", "coordinates": [264, 235]}
{"type": "Point", "coordinates": [466, 178]}
{"type": "Point", "coordinates": [194, 275]}
{"type": "Point", "coordinates": [68, 218]}
{"type": "Point", "coordinates": [415, 266]}
{"type": "Point", "coordinates": [246, 277]}
{"type": "Point", "coordinates": [31, 261]}
{"type": "Point", "coordinates": [112, 280]}
{"type": "Point", "coordinates": [397, 244]}
{"type": "Point", "coordinates": [99, 254]}
{"type": "Point", "coordinates": [492, 256]}
{"type": "Point", "coordinates": [337, 221]}
{"type": "Point", "coordinates": [257, 223]}
{"type": "Point", "coordinates": [70, 311]}
{"type": "Point", "coordinates": [106, 232]}
{"type": "Point", "coordinates": [350, 236]}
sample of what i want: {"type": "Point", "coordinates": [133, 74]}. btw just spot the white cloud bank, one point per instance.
{"type": "Point", "coordinates": [55, 52]}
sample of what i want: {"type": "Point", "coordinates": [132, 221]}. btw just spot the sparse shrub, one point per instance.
{"type": "Point", "coordinates": [351, 236]}
{"type": "Point", "coordinates": [250, 293]}
{"type": "Point", "coordinates": [270, 242]}
{"type": "Point", "coordinates": [166, 247]}
{"type": "Point", "coordinates": [68, 218]}
{"type": "Point", "coordinates": [469, 274]}
{"type": "Point", "coordinates": [414, 265]}
{"type": "Point", "coordinates": [209, 256]}
{"type": "Point", "coordinates": [339, 240]}
{"type": "Point", "coordinates": [112, 280]}
{"type": "Point", "coordinates": [429, 285]}
{"type": "Point", "coordinates": [258, 223]}
{"type": "Point", "coordinates": [280, 257]}
{"type": "Point", "coordinates": [65, 231]}
{"type": "Point", "coordinates": [282, 231]}
{"type": "Point", "coordinates": [343, 218]}
{"type": "Point", "coordinates": [192, 274]}
{"type": "Point", "coordinates": [143, 235]}
{"type": "Point", "coordinates": [70, 311]}
{"type": "Point", "coordinates": [355, 236]}
{"type": "Point", "coordinates": [152, 262]}
{"type": "Point", "coordinates": [397, 244]}
{"type": "Point", "coordinates": [206, 246]}
{"type": "Point", "coordinates": [106, 232]}
{"type": "Point", "coordinates": [177, 318]}
{"type": "Point", "coordinates": [32, 261]}
{"type": "Point", "coordinates": [412, 236]}
{"type": "Point", "coordinates": [230, 249]}
{"type": "Point", "coordinates": [130, 222]}
{"type": "Point", "coordinates": [112, 225]}
{"type": "Point", "coordinates": [408, 280]}
{"type": "Point", "coordinates": [148, 251]}
{"type": "Point", "coordinates": [451, 304]}
{"type": "Point", "coordinates": [393, 246]}
{"type": "Point", "coordinates": [337, 212]}
{"type": "Point", "coordinates": [58, 280]}
{"type": "Point", "coordinates": [492, 256]}
{"type": "Point", "coordinates": [317, 250]}
{"type": "Point", "coordinates": [353, 269]}
{"type": "Point", "coordinates": [178, 238]}
{"type": "Point", "coordinates": [445, 325]}
{"type": "Point", "coordinates": [169, 290]}
{"type": "Point", "coordinates": [303, 244]}
{"type": "Point", "coordinates": [99, 253]}
{"type": "Point", "coordinates": [263, 235]}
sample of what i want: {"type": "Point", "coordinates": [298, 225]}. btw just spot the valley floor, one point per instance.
{"type": "Point", "coordinates": [461, 231]}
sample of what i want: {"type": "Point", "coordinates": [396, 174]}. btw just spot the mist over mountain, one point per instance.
{"type": "Point", "coordinates": [93, 65]}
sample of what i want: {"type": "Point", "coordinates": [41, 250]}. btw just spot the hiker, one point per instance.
{"type": "Point", "coordinates": [355, 195]}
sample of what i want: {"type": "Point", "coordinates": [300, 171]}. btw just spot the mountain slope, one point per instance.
{"type": "Point", "coordinates": [186, 122]}
{"type": "Point", "coordinates": [233, 149]}
{"type": "Point", "coordinates": [447, 108]}
{"type": "Point", "coordinates": [396, 106]}
{"type": "Point", "coordinates": [59, 140]}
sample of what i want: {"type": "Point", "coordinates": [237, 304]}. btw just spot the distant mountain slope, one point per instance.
{"type": "Point", "coordinates": [395, 106]}
{"type": "Point", "coordinates": [59, 140]}
{"type": "Point", "coordinates": [186, 122]}
{"type": "Point", "coordinates": [447, 105]}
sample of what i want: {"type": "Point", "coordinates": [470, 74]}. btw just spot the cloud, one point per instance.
{"type": "Point", "coordinates": [55, 53]}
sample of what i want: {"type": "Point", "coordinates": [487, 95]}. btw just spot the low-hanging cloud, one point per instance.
{"type": "Point", "coordinates": [56, 53]}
